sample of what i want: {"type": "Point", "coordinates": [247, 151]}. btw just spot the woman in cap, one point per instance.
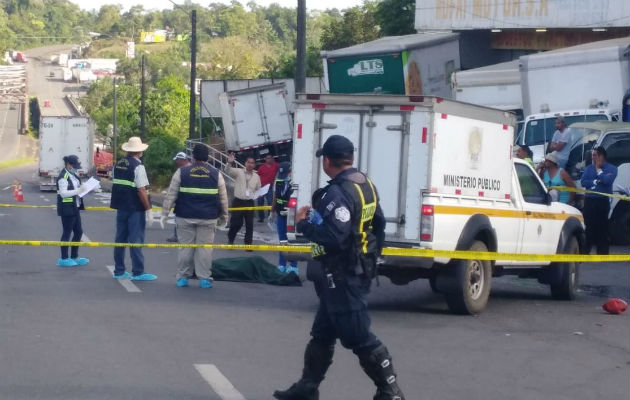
{"type": "Point", "coordinates": [68, 205]}
{"type": "Point", "coordinates": [554, 176]}
{"type": "Point", "coordinates": [281, 195]}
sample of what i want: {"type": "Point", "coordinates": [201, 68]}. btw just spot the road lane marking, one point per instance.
{"type": "Point", "coordinates": [126, 283]}
{"type": "Point", "coordinates": [220, 384]}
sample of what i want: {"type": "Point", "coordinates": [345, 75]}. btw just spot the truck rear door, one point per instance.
{"type": "Point", "coordinates": [379, 140]}
{"type": "Point", "coordinates": [78, 141]}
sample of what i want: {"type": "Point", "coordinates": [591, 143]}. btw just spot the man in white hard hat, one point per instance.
{"type": "Point", "coordinates": [130, 197]}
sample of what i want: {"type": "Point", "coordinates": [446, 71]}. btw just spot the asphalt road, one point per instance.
{"type": "Point", "coordinates": [49, 89]}
{"type": "Point", "coordinates": [79, 334]}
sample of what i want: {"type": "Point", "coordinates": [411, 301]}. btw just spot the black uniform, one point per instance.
{"type": "Point", "coordinates": [346, 227]}
{"type": "Point", "coordinates": [68, 210]}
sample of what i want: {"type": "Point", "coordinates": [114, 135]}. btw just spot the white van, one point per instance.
{"type": "Point", "coordinates": [447, 180]}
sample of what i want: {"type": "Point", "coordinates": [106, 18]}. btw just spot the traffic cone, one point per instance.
{"type": "Point", "coordinates": [15, 190]}
{"type": "Point", "coordinates": [20, 194]}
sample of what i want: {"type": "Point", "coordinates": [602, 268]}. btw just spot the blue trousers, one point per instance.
{"type": "Point", "coordinates": [130, 227]}
{"type": "Point", "coordinates": [281, 224]}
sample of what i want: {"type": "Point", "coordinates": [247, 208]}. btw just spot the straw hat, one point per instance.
{"type": "Point", "coordinates": [134, 145]}
{"type": "Point", "coordinates": [553, 157]}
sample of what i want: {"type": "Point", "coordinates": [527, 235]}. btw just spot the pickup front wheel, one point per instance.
{"type": "Point", "coordinates": [566, 287]}
{"type": "Point", "coordinates": [470, 283]}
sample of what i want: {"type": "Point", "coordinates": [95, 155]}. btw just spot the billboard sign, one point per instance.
{"type": "Point", "coordinates": [521, 14]}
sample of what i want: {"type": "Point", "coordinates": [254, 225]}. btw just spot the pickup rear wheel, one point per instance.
{"type": "Point", "coordinates": [471, 283]}
{"type": "Point", "coordinates": [566, 289]}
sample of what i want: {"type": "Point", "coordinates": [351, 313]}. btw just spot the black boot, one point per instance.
{"type": "Point", "coordinates": [377, 364]}
{"type": "Point", "coordinates": [317, 358]}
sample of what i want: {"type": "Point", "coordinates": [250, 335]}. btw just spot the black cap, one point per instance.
{"type": "Point", "coordinates": [336, 147]}
{"type": "Point", "coordinates": [283, 169]}
{"type": "Point", "coordinates": [72, 160]}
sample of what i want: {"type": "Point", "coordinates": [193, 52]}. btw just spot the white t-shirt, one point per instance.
{"type": "Point", "coordinates": [563, 155]}
{"type": "Point", "coordinates": [140, 176]}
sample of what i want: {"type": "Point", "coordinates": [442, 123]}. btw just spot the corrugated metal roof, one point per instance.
{"type": "Point", "coordinates": [392, 44]}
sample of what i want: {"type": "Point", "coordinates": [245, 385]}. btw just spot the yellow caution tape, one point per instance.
{"type": "Point", "coordinates": [388, 251]}
{"type": "Point", "coordinates": [578, 190]}
{"type": "Point", "coordinates": [264, 208]}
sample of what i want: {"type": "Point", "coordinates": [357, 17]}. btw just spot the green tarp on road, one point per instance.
{"type": "Point", "coordinates": [251, 269]}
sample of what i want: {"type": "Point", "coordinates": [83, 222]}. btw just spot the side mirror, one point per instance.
{"type": "Point", "coordinates": [548, 198]}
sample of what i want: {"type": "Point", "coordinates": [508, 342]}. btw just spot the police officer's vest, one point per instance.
{"type": "Point", "coordinates": [67, 206]}
{"type": "Point", "coordinates": [198, 195]}
{"type": "Point", "coordinates": [124, 190]}
{"type": "Point", "coordinates": [282, 199]}
{"type": "Point", "coordinates": [360, 190]}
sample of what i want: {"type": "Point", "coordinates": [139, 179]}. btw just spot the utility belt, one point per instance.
{"type": "Point", "coordinates": [337, 267]}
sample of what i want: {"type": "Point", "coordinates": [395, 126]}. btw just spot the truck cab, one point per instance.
{"type": "Point", "coordinates": [539, 128]}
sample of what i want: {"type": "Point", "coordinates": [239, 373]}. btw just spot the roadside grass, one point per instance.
{"type": "Point", "coordinates": [18, 162]}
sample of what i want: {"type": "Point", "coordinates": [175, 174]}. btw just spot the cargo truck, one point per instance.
{"type": "Point", "coordinates": [581, 84]}
{"type": "Point", "coordinates": [257, 121]}
{"type": "Point", "coordinates": [59, 137]}
{"type": "Point", "coordinates": [415, 64]}
{"type": "Point", "coordinates": [447, 180]}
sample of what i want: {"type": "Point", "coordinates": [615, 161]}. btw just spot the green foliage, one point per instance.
{"type": "Point", "coordinates": [396, 17]}
{"type": "Point", "coordinates": [358, 25]}
{"type": "Point", "coordinates": [25, 23]}
{"type": "Point", "coordinates": [158, 159]}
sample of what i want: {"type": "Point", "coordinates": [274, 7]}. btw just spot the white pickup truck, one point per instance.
{"type": "Point", "coordinates": [447, 180]}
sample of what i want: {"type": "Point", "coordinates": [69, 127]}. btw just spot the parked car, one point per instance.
{"type": "Point", "coordinates": [615, 138]}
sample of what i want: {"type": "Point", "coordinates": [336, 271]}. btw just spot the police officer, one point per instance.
{"type": "Point", "coordinates": [68, 205]}
{"type": "Point", "coordinates": [198, 191]}
{"type": "Point", "coordinates": [346, 226]}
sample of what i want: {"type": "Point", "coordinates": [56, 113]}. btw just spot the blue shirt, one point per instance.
{"type": "Point", "coordinates": [601, 182]}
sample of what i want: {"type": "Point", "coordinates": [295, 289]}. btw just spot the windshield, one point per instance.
{"type": "Point", "coordinates": [539, 131]}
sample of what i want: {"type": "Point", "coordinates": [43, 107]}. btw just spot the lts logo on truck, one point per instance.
{"type": "Point", "coordinates": [367, 67]}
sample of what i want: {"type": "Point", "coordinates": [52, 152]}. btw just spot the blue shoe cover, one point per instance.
{"type": "Point", "coordinates": [66, 262]}
{"type": "Point", "coordinates": [82, 261]}
{"type": "Point", "coordinates": [144, 277]}
{"type": "Point", "coordinates": [295, 270]}
{"type": "Point", "coordinates": [125, 275]}
{"type": "Point", "coordinates": [282, 268]}
{"type": "Point", "coordinates": [182, 282]}
{"type": "Point", "coordinates": [205, 283]}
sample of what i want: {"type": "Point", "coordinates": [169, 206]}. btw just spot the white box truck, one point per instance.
{"type": "Point", "coordinates": [495, 86]}
{"type": "Point", "coordinates": [447, 180]}
{"type": "Point", "coordinates": [257, 121]}
{"type": "Point", "coordinates": [63, 59]}
{"type": "Point", "coordinates": [59, 137]}
{"type": "Point", "coordinates": [581, 83]}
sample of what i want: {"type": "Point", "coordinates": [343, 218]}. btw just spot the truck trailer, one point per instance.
{"type": "Point", "coordinates": [257, 121]}
{"type": "Point", "coordinates": [59, 137]}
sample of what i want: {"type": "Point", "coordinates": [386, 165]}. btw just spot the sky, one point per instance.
{"type": "Point", "coordinates": [165, 4]}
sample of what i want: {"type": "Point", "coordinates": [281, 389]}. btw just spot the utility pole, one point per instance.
{"type": "Point", "coordinates": [300, 73]}
{"type": "Point", "coordinates": [115, 134]}
{"type": "Point", "coordinates": [193, 73]}
{"type": "Point", "coordinates": [142, 104]}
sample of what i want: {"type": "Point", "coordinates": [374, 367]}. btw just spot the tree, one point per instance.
{"type": "Point", "coordinates": [357, 25]}
{"type": "Point", "coordinates": [108, 19]}
{"type": "Point", "coordinates": [396, 17]}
